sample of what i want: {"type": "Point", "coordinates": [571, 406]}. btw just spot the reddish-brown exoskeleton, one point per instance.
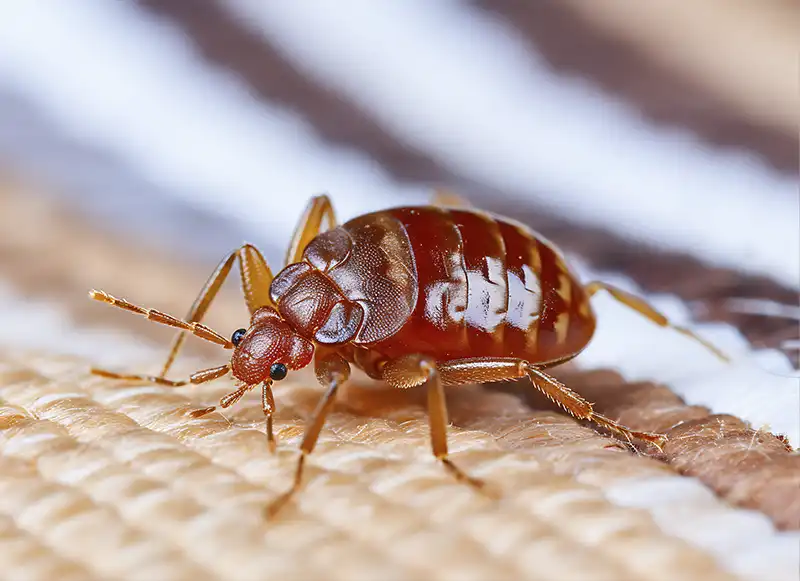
{"type": "Point", "coordinates": [437, 295]}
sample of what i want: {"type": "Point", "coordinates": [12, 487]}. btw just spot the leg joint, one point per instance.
{"type": "Point", "coordinates": [428, 366]}
{"type": "Point", "coordinates": [409, 371]}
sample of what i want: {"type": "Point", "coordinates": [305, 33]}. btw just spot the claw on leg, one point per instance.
{"type": "Point", "coordinates": [274, 507]}
{"type": "Point", "coordinates": [462, 476]}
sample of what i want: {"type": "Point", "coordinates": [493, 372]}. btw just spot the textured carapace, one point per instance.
{"type": "Point", "coordinates": [448, 283]}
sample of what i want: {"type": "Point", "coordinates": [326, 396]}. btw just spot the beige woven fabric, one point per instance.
{"type": "Point", "coordinates": [109, 481]}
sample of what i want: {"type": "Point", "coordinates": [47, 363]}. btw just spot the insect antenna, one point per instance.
{"type": "Point", "coordinates": [202, 376]}
{"type": "Point", "coordinates": [197, 329]}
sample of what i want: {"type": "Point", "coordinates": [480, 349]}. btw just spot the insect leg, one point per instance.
{"type": "Point", "coordinates": [488, 369]}
{"type": "Point", "coordinates": [582, 409]}
{"type": "Point", "coordinates": [447, 199]}
{"type": "Point", "coordinates": [332, 371]}
{"type": "Point", "coordinates": [256, 278]}
{"type": "Point", "coordinates": [413, 370]}
{"type": "Point", "coordinates": [640, 306]}
{"type": "Point", "coordinates": [268, 406]}
{"type": "Point", "coordinates": [309, 226]}
{"type": "Point", "coordinates": [225, 402]}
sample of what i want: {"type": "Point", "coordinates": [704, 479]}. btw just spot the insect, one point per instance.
{"type": "Point", "coordinates": [440, 294]}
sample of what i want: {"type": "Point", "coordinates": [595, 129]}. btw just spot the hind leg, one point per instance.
{"type": "Point", "coordinates": [489, 369]}
{"type": "Point", "coordinates": [644, 309]}
{"type": "Point", "coordinates": [448, 199]}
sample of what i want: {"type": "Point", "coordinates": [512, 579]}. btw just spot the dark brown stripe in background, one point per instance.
{"type": "Point", "coordinates": [572, 46]}
{"type": "Point", "coordinates": [226, 43]}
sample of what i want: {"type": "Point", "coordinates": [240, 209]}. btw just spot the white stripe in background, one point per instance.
{"type": "Point", "coordinates": [742, 541]}
{"type": "Point", "coordinates": [43, 326]}
{"type": "Point", "coordinates": [450, 81]}
{"type": "Point", "coordinates": [122, 80]}
{"type": "Point", "coordinates": [745, 542]}
{"type": "Point", "coordinates": [139, 91]}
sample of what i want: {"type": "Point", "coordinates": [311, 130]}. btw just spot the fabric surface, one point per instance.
{"type": "Point", "coordinates": [103, 481]}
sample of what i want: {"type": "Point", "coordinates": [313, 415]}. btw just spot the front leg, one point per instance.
{"type": "Point", "coordinates": [268, 407]}
{"type": "Point", "coordinates": [332, 371]}
{"type": "Point", "coordinates": [256, 278]}
{"type": "Point", "coordinates": [412, 370]}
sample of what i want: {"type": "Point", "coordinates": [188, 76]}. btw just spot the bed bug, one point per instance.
{"type": "Point", "coordinates": [441, 294]}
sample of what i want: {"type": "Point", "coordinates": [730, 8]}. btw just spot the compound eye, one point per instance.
{"type": "Point", "coordinates": [277, 371]}
{"type": "Point", "coordinates": [237, 336]}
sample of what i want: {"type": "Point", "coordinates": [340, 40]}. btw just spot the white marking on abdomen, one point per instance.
{"type": "Point", "coordinates": [524, 299]}
{"type": "Point", "coordinates": [446, 300]}
{"type": "Point", "coordinates": [486, 304]}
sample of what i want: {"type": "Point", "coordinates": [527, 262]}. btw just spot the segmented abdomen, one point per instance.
{"type": "Point", "coordinates": [485, 286]}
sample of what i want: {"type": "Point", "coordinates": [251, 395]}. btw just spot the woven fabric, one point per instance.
{"type": "Point", "coordinates": [107, 481]}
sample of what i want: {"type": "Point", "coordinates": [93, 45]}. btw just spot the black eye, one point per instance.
{"type": "Point", "coordinates": [277, 371]}
{"type": "Point", "coordinates": [236, 338]}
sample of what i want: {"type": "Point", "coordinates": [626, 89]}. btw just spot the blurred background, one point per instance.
{"type": "Point", "coordinates": [657, 144]}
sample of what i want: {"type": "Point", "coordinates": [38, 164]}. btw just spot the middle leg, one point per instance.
{"type": "Point", "coordinates": [413, 370]}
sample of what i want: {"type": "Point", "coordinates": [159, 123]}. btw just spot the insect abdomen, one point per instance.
{"type": "Point", "coordinates": [485, 287]}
